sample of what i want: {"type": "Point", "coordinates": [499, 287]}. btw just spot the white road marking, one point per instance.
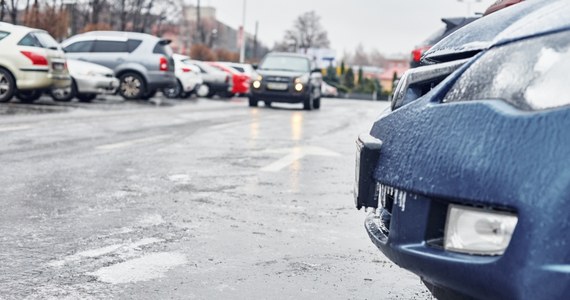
{"type": "Point", "coordinates": [14, 128]}
{"type": "Point", "coordinates": [145, 268]}
{"type": "Point", "coordinates": [98, 252]}
{"type": "Point", "coordinates": [131, 143]}
{"type": "Point", "coordinates": [295, 154]}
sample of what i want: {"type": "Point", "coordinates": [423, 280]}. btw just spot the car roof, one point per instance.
{"type": "Point", "coordinates": [177, 56]}
{"type": "Point", "coordinates": [514, 22]}
{"type": "Point", "coordinates": [17, 28]}
{"type": "Point", "coordinates": [118, 34]}
{"type": "Point", "coordinates": [289, 54]}
{"type": "Point", "coordinates": [500, 4]}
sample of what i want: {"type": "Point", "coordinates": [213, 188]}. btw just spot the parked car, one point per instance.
{"type": "Point", "coordinates": [31, 61]}
{"type": "Point", "coordinates": [188, 79]}
{"type": "Point", "coordinates": [328, 90]}
{"type": "Point", "coordinates": [215, 81]}
{"type": "Point", "coordinates": [451, 25]}
{"type": "Point", "coordinates": [88, 81]}
{"type": "Point", "coordinates": [287, 78]}
{"type": "Point", "coordinates": [240, 80]}
{"type": "Point", "coordinates": [500, 4]}
{"type": "Point", "coordinates": [142, 62]}
{"type": "Point", "coordinates": [247, 69]}
{"type": "Point", "coordinates": [467, 185]}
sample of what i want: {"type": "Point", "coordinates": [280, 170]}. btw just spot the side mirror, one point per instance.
{"type": "Point", "coordinates": [316, 71]}
{"type": "Point", "coordinates": [255, 66]}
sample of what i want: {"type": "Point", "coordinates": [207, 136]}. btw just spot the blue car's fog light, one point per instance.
{"type": "Point", "coordinates": [478, 231]}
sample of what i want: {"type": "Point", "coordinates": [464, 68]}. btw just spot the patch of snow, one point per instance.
{"type": "Point", "coordinates": [145, 268]}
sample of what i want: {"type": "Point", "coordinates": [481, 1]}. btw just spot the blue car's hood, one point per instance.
{"type": "Point", "coordinates": [525, 19]}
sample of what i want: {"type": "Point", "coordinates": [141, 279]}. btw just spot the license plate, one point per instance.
{"type": "Point", "coordinates": [277, 86]}
{"type": "Point", "coordinates": [57, 66]}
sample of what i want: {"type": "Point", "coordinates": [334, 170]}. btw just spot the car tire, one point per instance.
{"type": "Point", "coordinates": [150, 94]}
{"type": "Point", "coordinates": [86, 97]}
{"type": "Point", "coordinates": [203, 91]}
{"type": "Point", "coordinates": [7, 85]}
{"type": "Point", "coordinates": [227, 95]}
{"type": "Point", "coordinates": [175, 91]}
{"type": "Point", "coordinates": [65, 94]}
{"type": "Point", "coordinates": [186, 95]}
{"type": "Point", "coordinates": [267, 103]}
{"type": "Point", "coordinates": [132, 86]}
{"type": "Point", "coordinates": [253, 102]}
{"type": "Point", "coordinates": [317, 103]}
{"type": "Point", "coordinates": [28, 96]}
{"type": "Point", "coordinates": [308, 103]}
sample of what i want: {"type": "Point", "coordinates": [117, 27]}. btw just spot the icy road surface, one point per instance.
{"type": "Point", "coordinates": [198, 199]}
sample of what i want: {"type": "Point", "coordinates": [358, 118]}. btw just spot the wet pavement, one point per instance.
{"type": "Point", "coordinates": [195, 199]}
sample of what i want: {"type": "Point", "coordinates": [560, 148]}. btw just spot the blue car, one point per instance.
{"type": "Point", "coordinates": [466, 178]}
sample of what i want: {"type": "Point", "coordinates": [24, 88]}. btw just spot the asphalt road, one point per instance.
{"type": "Point", "coordinates": [197, 199]}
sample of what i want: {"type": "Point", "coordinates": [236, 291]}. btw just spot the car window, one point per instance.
{"type": "Point", "coordinates": [80, 47]}
{"type": "Point", "coordinates": [286, 63]}
{"type": "Point", "coordinates": [46, 40]}
{"type": "Point", "coordinates": [162, 48]}
{"type": "Point", "coordinates": [132, 45]}
{"type": "Point", "coordinates": [434, 38]}
{"type": "Point", "coordinates": [29, 40]}
{"type": "Point", "coordinates": [110, 47]}
{"type": "Point", "coordinates": [240, 69]}
{"type": "Point", "coordinates": [3, 34]}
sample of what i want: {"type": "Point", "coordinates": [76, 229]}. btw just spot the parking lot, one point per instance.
{"type": "Point", "coordinates": [187, 199]}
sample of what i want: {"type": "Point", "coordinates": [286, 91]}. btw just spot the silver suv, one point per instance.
{"type": "Point", "coordinates": [142, 62]}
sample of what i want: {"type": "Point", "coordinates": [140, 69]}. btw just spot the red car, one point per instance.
{"type": "Point", "coordinates": [241, 81]}
{"type": "Point", "coordinates": [500, 4]}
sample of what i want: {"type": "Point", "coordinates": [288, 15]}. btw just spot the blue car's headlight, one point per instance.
{"type": "Point", "coordinates": [530, 74]}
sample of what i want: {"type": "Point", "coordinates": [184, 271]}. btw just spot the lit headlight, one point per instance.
{"type": "Point", "coordinates": [298, 87]}
{"type": "Point", "coordinates": [256, 84]}
{"type": "Point", "coordinates": [478, 231]}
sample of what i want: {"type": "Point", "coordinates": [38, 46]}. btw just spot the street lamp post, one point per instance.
{"type": "Point", "coordinates": [70, 7]}
{"type": "Point", "coordinates": [243, 38]}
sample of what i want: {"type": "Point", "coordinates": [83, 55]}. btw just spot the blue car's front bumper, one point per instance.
{"type": "Point", "coordinates": [484, 154]}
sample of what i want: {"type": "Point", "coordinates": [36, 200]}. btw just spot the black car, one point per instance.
{"type": "Point", "coordinates": [287, 78]}
{"type": "Point", "coordinates": [451, 25]}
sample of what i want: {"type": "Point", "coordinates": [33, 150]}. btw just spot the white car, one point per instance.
{"type": "Point", "coordinates": [188, 79]}
{"type": "Point", "coordinates": [246, 69]}
{"type": "Point", "coordinates": [328, 90]}
{"type": "Point", "coordinates": [31, 61]}
{"type": "Point", "coordinates": [88, 81]}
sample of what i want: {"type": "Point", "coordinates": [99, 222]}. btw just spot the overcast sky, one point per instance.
{"type": "Point", "coordinates": [391, 26]}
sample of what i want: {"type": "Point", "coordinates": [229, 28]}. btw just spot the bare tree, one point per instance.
{"type": "Point", "coordinates": [307, 32]}
{"type": "Point", "coordinates": [360, 57]}
{"type": "Point", "coordinates": [2, 9]}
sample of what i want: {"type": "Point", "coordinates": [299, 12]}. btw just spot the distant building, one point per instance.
{"type": "Point", "coordinates": [209, 31]}
{"type": "Point", "coordinates": [395, 65]}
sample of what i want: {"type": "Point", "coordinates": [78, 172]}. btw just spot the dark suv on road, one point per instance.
{"type": "Point", "coordinates": [142, 62]}
{"type": "Point", "coordinates": [287, 78]}
{"type": "Point", "coordinates": [466, 179]}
